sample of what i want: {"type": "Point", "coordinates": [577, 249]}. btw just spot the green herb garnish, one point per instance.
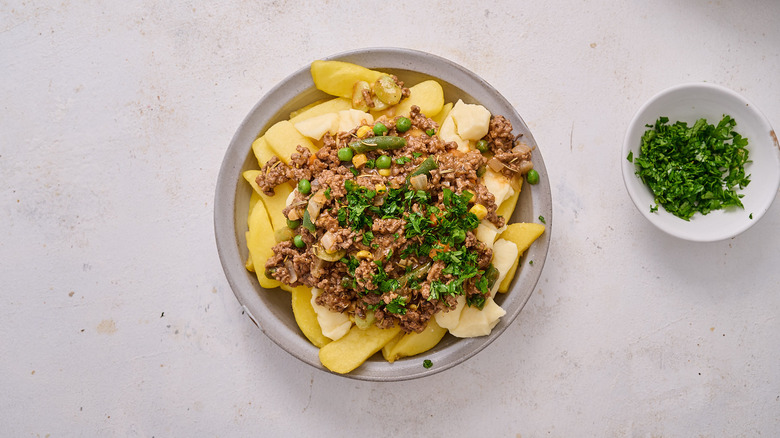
{"type": "Point", "coordinates": [427, 363]}
{"type": "Point", "coordinates": [693, 169]}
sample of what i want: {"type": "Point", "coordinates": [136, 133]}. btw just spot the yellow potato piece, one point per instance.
{"type": "Point", "coordinates": [260, 241]}
{"type": "Point", "coordinates": [262, 152]}
{"type": "Point", "coordinates": [410, 344]}
{"type": "Point", "coordinates": [273, 204]}
{"type": "Point", "coordinates": [349, 352]}
{"type": "Point", "coordinates": [445, 110]}
{"type": "Point", "coordinates": [254, 199]}
{"type": "Point", "coordinates": [300, 111]}
{"type": "Point", "coordinates": [250, 266]}
{"type": "Point", "coordinates": [283, 139]}
{"type": "Point", "coordinates": [337, 77]}
{"type": "Point", "coordinates": [507, 207]}
{"type": "Point", "coordinates": [305, 316]}
{"type": "Point", "coordinates": [428, 95]}
{"type": "Point", "coordinates": [327, 107]}
{"type": "Point", "coordinates": [522, 235]}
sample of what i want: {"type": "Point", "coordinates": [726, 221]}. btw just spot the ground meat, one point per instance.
{"type": "Point", "coordinates": [517, 161]}
{"type": "Point", "coordinates": [359, 286]}
{"type": "Point", "coordinates": [420, 121]}
{"type": "Point", "coordinates": [499, 136]}
{"type": "Point", "coordinates": [273, 173]}
{"type": "Point", "coordinates": [388, 226]}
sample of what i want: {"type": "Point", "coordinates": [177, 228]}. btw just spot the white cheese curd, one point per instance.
{"type": "Point", "coordinates": [486, 233]}
{"type": "Point", "coordinates": [498, 185]}
{"type": "Point", "coordinates": [449, 320]}
{"type": "Point", "coordinates": [472, 121]}
{"type": "Point", "coordinates": [504, 255]}
{"type": "Point", "coordinates": [333, 324]}
{"type": "Point", "coordinates": [316, 127]}
{"type": "Point", "coordinates": [474, 322]}
{"type": "Point", "coordinates": [448, 133]}
{"type": "Point", "coordinates": [349, 119]}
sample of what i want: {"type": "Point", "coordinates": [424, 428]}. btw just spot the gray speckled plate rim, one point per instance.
{"type": "Point", "coordinates": [270, 309]}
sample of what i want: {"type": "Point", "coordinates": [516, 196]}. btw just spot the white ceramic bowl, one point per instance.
{"type": "Point", "coordinates": [270, 309]}
{"type": "Point", "coordinates": [688, 103]}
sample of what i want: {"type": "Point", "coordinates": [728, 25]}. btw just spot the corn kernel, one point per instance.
{"type": "Point", "coordinates": [385, 172]}
{"type": "Point", "coordinates": [359, 160]}
{"type": "Point", "coordinates": [479, 211]}
{"type": "Point", "coordinates": [363, 131]}
{"type": "Point", "coordinates": [380, 188]}
{"type": "Point", "coordinates": [363, 255]}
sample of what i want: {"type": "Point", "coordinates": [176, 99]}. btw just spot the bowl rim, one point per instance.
{"type": "Point", "coordinates": [228, 238]}
{"type": "Point", "coordinates": [634, 185]}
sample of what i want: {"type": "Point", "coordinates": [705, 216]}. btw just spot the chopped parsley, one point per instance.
{"type": "Point", "coordinates": [397, 305]}
{"type": "Point", "coordinates": [427, 363]}
{"type": "Point", "coordinates": [542, 220]}
{"type": "Point", "coordinates": [693, 169]}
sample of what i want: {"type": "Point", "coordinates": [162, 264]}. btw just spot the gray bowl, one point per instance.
{"type": "Point", "coordinates": [270, 309]}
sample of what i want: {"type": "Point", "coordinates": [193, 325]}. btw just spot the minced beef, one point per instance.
{"type": "Point", "coordinates": [378, 238]}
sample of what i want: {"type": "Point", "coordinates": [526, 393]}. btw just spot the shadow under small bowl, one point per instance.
{"type": "Point", "coordinates": [270, 309]}
{"type": "Point", "coordinates": [688, 103]}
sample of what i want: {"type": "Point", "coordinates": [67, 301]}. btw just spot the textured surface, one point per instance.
{"type": "Point", "coordinates": [116, 318]}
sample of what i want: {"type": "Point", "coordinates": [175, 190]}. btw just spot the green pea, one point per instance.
{"type": "Point", "coordinates": [532, 177]}
{"type": "Point", "coordinates": [345, 154]}
{"type": "Point", "coordinates": [403, 124]}
{"type": "Point", "coordinates": [293, 224]}
{"type": "Point", "coordinates": [482, 146]}
{"type": "Point", "coordinates": [304, 186]}
{"type": "Point", "coordinates": [380, 129]}
{"type": "Point", "coordinates": [383, 162]}
{"type": "Point", "coordinates": [298, 241]}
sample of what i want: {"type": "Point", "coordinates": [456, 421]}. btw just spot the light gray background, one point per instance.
{"type": "Point", "coordinates": [116, 318]}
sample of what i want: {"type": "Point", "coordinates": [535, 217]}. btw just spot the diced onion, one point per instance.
{"type": "Point", "coordinates": [291, 269]}
{"type": "Point", "coordinates": [315, 204]}
{"type": "Point", "coordinates": [522, 149]}
{"type": "Point", "coordinates": [496, 164]}
{"type": "Point", "coordinates": [419, 182]}
{"type": "Point", "coordinates": [328, 242]}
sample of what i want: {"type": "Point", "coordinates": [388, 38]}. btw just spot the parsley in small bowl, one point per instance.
{"type": "Point", "coordinates": [700, 162]}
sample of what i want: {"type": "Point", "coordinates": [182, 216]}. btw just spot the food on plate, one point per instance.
{"type": "Point", "coordinates": [693, 169]}
{"type": "Point", "coordinates": [383, 211]}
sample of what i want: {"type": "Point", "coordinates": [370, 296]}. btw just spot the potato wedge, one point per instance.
{"type": "Point", "coordinates": [337, 77]}
{"type": "Point", "coordinates": [522, 235]}
{"type": "Point", "coordinates": [305, 316]}
{"type": "Point", "coordinates": [260, 241]}
{"type": "Point", "coordinates": [445, 111]}
{"type": "Point", "coordinates": [410, 344]}
{"type": "Point", "coordinates": [508, 206]}
{"type": "Point", "coordinates": [428, 95]}
{"type": "Point", "coordinates": [283, 139]}
{"type": "Point", "coordinates": [300, 111]}
{"type": "Point", "coordinates": [355, 347]}
{"type": "Point", "coordinates": [327, 107]}
{"type": "Point", "coordinates": [273, 204]}
{"type": "Point", "coordinates": [262, 152]}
